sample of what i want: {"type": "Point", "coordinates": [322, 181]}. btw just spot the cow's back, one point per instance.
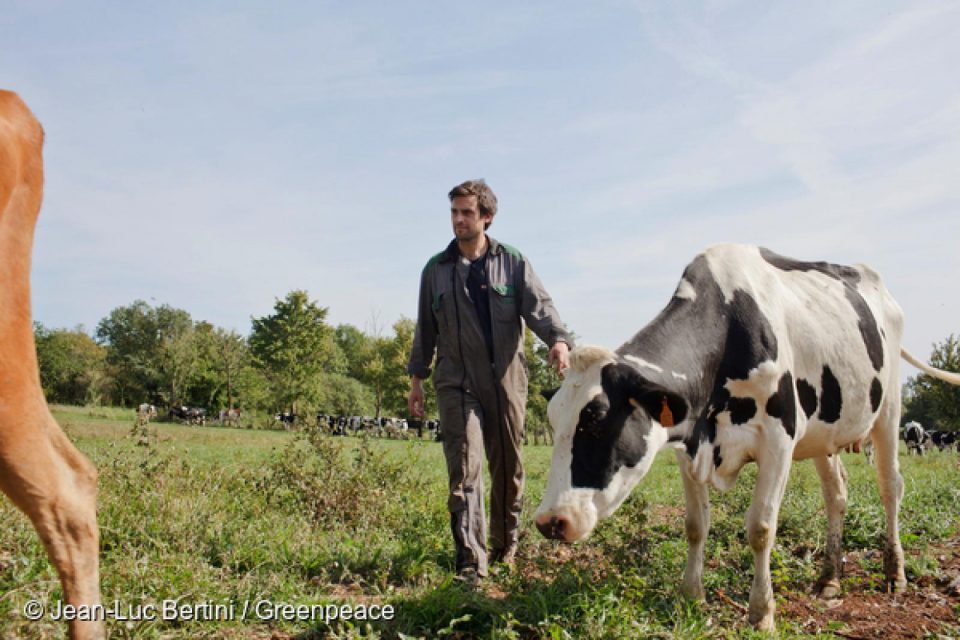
{"type": "Point", "coordinates": [837, 333]}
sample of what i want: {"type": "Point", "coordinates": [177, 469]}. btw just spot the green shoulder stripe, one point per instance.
{"type": "Point", "coordinates": [434, 260]}
{"type": "Point", "coordinates": [513, 251]}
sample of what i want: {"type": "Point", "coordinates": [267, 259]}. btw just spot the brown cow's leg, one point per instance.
{"type": "Point", "coordinates": [56, 486]}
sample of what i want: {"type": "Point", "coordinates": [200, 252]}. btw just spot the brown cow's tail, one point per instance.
{"type": "Point", "coordinates": [946, 376]}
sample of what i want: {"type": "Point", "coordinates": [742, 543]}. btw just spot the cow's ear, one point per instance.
{"type": "Point", "coordinates": [664, 406]}
{"type": "Point", "coordinates": [549, 393]}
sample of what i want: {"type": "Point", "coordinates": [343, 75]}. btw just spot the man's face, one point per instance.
{"type": "Point", "coordinates": [468, 222]}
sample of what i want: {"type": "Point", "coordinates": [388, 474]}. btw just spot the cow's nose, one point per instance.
{"type": "Point", "coordinates": [554, 528]}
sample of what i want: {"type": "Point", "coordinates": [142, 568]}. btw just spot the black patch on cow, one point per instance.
{"type": "Point", "coordinates": [831, 397]}
{"type": "Point", "coordinates": [835, 271]}
{"type": "Point", "coordinates": [808, 397]}
{"type": "Point", "coordinates": [602, 442]}
{"type": "Point", "coordinates": [867, 325]}
{"type": "Point", "coordinates": [741, 409]}
{"type": "Point", "coordinates": [783, 405]}
{"type": "Point", "coordinates": [749, 341]}
{"type": "Point", "coordinates": [872, 335]}
{"type": "Point", "coordinates": [702, 323]}
{"type": "Point", "coordinates": [717, 458]}
{"type": "Point", "coordinates": [876, 394]}
{"type": "Point", "coordinates": [710, 341]}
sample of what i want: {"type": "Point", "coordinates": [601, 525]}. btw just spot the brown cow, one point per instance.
{"type": "Point", "coordinates": [40, 469]}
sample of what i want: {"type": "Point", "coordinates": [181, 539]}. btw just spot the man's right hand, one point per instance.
{"type": "Point", "coordinates": [415, 399]}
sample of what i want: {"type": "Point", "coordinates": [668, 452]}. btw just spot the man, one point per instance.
{"type": "Point", "coordinates": [474, 299]}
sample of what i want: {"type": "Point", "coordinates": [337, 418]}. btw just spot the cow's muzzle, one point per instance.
{"type": "Point", "coordinates": [555, 528]}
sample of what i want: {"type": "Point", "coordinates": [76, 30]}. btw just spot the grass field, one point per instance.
{"type": "Point", "coordinates": [214, 516]}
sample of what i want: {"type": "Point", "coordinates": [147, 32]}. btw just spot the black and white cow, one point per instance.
{"type": "Point", "coordinates": [943, 439]}
{"type": "Point", "coordinates": [756, 358]}
{"type": "Point", "coordinates": [916, 437]}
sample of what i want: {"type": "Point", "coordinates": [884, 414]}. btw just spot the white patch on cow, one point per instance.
{"type": "Point", "coordinates": [702, 466]}
{"type": "Point", "coordinates": [581, 384]}
{"type": "Point", "coordinates": [640, 362]}
{"type": "Point", "coordinates": [760, 384]}
{"type": "Point", "coordinates": [583, 357]}
{"type": "Point", "coordinates": [685, 290]}
{"type": "Point", "coordinates": [679, 376]}
{"type": "Point", "coordinates": [626, 478]}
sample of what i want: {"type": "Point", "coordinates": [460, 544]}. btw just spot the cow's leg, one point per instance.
{"type": "Point", "coordinates": [56, 486]}
{"type": "Point", "coordinates": [697, 526]}
{"type": "Point", "coordinates": [833, 484]}
{"type": "Point", "coordinates": [885, 444]}
{"type": "Point", "coordinates": [773, 470]}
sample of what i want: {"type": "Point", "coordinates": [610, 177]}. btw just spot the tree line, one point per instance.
{"type": "Point", "coordinates": [292, 360]}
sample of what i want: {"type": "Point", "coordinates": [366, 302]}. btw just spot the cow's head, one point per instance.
{"type": "Point", "coordinates": [609, 422]}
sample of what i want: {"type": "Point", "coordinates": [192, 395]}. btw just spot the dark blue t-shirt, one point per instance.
{"type": "Point", "coordinates": [478, 287]}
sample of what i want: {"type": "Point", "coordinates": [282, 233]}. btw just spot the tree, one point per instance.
{"type": "Point", "coordinates": [345, 396]}
{"type": "Point", "coordinates": [177, 363]}
{"type": "Point", "coordinates": [147, 350]}
{"type": "Point", "coordinates": [232, 354]}
{"type": "Point", "coordinates": [355, 347]}
{"type": "Point", "coordinates": [541, 377]}
{"type": "Point", "coordinates": [931, 402]}
{"type": "Point", "coordinates": [72, 365]}
{"type": "Point", "coordinates": [293, 347]}
{"type": "Point", "coordinates": [396, 382]}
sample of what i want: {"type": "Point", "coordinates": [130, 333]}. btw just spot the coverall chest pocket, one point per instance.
{"type": "Point", "coordinates": [503, 303]}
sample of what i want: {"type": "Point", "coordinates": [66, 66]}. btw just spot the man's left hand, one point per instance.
{"type": "Point", "coordinates": [559, 356]}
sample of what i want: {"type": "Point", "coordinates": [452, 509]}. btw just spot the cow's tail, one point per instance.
{"type": "Point", "coordinates": [946, 376]}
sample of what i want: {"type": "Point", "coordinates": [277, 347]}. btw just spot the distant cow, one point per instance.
{"type": "Point", "coordinates": [757, 358]}
{"type": "Point", "coordinates": [943, 439]}
{"type": "Point", "coordinates": [189, 415]}
{"type": "Point", "coordinates": [916, 438]}
{"type": "Point", "coordinates": [230, 417]}
{"type": "Point", "coordinates": [286, 419]}
{"type": "Point", "coordinates": [40, 469]}
{"type": "Point", "coordinates": [146, 413]}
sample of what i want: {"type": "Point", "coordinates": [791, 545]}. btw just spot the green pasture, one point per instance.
{"type": "Point", "coordinates": [227, 516]}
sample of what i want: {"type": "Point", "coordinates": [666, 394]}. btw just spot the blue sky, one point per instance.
{"type": "Point", "coordinates": [213, 156]}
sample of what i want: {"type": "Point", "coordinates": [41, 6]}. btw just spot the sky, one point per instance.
{"type": "Point", "coordinates": [214, 156]}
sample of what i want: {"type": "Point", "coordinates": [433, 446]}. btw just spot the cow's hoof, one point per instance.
{"type": "Point", "coordinates": [761, 616]}
{"type": "Point", "coordinates": [764, 624]}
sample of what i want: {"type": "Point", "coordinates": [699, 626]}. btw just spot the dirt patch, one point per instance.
{"type": "Point", "coordinates": [864, 610]}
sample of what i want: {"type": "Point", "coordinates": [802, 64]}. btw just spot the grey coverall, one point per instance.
{"type": "Point", "coordinates": [481, 403]}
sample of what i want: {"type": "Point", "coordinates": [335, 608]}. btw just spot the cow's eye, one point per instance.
{"type": "Point", "coordinates": [591, 418]}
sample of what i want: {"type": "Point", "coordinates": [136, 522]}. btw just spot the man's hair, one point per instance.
{"type": "Point", "coordinates": [486, 200]}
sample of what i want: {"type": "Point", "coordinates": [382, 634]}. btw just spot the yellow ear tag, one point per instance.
{"type": "Point", "coordinates": [666, 416]}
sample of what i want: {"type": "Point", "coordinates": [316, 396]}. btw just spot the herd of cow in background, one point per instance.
{"type": "Point", "coordinates": [918, 439]}
{"type": "Point", "coordinates": [335, 425]}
